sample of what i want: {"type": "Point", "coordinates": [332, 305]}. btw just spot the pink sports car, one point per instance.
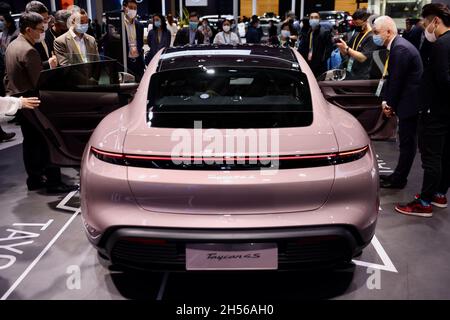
{"type": "Point", "coordinates": [227, 158]}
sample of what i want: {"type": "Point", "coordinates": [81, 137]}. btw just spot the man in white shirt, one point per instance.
{"type": "Point", "coordinates": [75, 46]}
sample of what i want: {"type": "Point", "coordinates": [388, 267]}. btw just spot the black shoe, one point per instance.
{"type": "Point", "coordinates": [61, 188]}
{"type": "Point", "coordinates": [35, 184]}
{"type": "Point", "coordinates": [6, 136]}
{"type": "Point", "coordinates": [384, 177]}
{"type": "Point", "coordinates": [389, 184]}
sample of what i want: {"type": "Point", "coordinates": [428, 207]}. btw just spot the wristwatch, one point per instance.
{"type": "Point", "coordinates": [347, 49]}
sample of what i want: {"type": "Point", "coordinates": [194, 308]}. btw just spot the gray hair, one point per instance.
{"type": "Point", "coordinates": [62, 16]}
{"type": "Point", "coordinates": [386, 23]}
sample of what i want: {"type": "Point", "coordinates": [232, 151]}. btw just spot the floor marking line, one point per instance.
{"type": "Point", "coordinates": [43, 252]}
{"type": "Point", "coordinates": [387, 262]}
{"type": "Point", "coordinates": [163, 286]}
{"type": "Point", "coordinates": [62, 204]}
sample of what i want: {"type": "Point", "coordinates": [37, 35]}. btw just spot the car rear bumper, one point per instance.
{"type": "Point", "coordinates": [165, 249]}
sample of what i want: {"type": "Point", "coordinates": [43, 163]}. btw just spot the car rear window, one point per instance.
{"type": "Point", "coordinates": [222, 97]}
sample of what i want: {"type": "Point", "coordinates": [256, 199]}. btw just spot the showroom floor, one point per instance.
{"type": "Point", "coordinates": [48, 256]}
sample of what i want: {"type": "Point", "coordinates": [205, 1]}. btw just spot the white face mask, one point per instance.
{"type": "Point", "coordinates": [41, 38]}
{"type": "Point", "coordinates": [131, 13]}
{"type": "Point", "coordinates": [430, 36]}
{"type": "Point", "coordinates": [45, 26]}
{"type": "Point", "coordinates": [226, 28]}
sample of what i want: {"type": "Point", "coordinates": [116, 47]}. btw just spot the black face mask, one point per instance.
{"type": "Point", "coordinates": [358, 29]}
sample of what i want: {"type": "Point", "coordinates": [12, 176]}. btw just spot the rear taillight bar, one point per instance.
{"type": "Point", "coordinates": [230, 163]}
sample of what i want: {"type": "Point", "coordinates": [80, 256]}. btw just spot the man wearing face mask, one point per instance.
{"type": "Point", "coordinates": [75, 46]}
{"type": "Point", "coordinates": [399, 86]}
{"type": "Point", "coordinates": [23, 68]}
{"type": "Point", "coordinates": [49, 60]}
{"type": "Point", "coordinates": [358, 51]}
{"type": "Point", "coordinates": [317, 46]}
{"type": "Point", "coordinates": [434, 119]}
{"type": "Point", "coordinates": [134, 31]}
{"type": "Point", "coordinates": [190, 34]}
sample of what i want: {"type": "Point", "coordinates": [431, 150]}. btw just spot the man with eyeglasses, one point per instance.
{"type": "Point", "coordinates": [48, 58]}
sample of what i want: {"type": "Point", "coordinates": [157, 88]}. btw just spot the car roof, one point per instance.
{"type": "Point", "coordinates": [248, 55]}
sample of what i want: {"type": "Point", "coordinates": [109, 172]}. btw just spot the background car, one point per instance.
{"type": "Point", "coordinates": [337, 19]}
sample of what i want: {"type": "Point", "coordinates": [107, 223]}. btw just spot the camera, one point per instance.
{"type": "Point", "coordinates": [337, 38]}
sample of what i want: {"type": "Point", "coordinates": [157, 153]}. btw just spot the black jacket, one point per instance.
{"type": "Point", "coordinates": [435, 89]}
{"type": "Point", "coordinates": [44, 57]}
{"type": "Point", "coordinates": [182, 37]}
{"type": "Point", "coordinates": [401, 90]}
{"type": "Point", "coordinates": [322, 46]}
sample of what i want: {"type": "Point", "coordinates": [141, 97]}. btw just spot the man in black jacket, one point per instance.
{"type": "Point", "coordinates": [48, 58]}
{"type": "Point", "coordinates": [190, 34]}
{"type": "Point", "coordinates": [317, 46]}
{"type": "Point", "coordinates": [400, 83]}
{"type": "Point", "coordinates": [434, 122]}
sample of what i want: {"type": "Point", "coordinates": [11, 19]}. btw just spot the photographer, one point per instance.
{"type": "Point", "coordinates": [360, 47]}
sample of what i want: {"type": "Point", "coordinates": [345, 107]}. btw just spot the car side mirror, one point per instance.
{"type": "Point", "coordinates": [333, 75]}
{"type": "Point", "coordinates": [125, 77]}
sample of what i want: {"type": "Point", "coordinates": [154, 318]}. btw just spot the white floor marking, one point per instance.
{"type": "Point", "coordinates": [387, 262]}
{"type": "Point", "coordinates": [44, 251]}
{"type": "Point", "coordinates": [62, 204]}
{"type": "Point", "coordinates": [163, 287]}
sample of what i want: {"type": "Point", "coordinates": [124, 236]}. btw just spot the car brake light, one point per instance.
{"type": "Point", "coordinates": [237, 163]}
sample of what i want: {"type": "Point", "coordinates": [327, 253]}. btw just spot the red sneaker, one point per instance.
{"type": "Point", "coordinates": [415, 208]}
{"type": "Point", "coordinates": [439, 201]}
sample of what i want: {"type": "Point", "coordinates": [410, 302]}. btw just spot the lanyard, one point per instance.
{"type": "Point", "coordinates": [225, 39]}
{"type": "Point", "coordinates": [310, 40]}
{"type": "Point", "coordinates": [385, 68]}
{"type": "Point", "coordinates": [359, 43]}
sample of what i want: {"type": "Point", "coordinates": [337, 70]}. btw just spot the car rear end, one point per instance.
{"type": "Point", "coordinates": [292, 202]}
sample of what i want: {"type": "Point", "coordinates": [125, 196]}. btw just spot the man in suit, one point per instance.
{"type": "Point", "coordinates": [75, 46]}
{"type": "Point", "coordinates": [191, 34]}
{"type": "Point", "coordinates": [23, 68]}
{"type": "Point", "coordinates": [134, 31]}
{"type": "Point", "coordinates": [48, 59]}
{"type": "Point", "coordinates": [400, 90]}
{"type": "Point", "coordinates": [317, 45]}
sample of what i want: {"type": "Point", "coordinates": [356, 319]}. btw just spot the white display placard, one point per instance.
{"type": "Point", "coordinates": [196, 3]}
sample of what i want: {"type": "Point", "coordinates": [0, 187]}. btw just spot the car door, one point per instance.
{"type": "Point", "coordinates": [74, 99]}
{"type": "Point", "coordinates": [358, 97]}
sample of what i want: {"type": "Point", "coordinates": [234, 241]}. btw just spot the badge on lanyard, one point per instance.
{"type": "Point", "coordinates": [350, 65]}
{"type": "Point", "coordinates": [310, 53]}
{"type": "Point", "coordinates": [380, 87]}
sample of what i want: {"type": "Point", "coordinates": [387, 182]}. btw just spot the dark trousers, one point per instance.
{"type": "Point", "coordinates": [36, 155]}
{"type": "Point", "coordinates": [407, 132]}
{"type": "Point", "coordinates": [434, 145]}
{"type": "Point", "coordinates": [136, 66]}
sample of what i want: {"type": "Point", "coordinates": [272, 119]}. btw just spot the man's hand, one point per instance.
{"type": "Point", "coordinates": [30, 103]}
{"type": "Point", "coordinates": [342, 46]}
{"type": "Point", "coordinates": [53, 62]}
{"type": "Point", "coordinates": [388, 112]}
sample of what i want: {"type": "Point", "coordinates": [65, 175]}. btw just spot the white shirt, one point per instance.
{"type": "Point", "coordinates": [390, 43]}
{"type": "Point", "coordinates": [226, 38]}
{"type": "Point", "coordinates": [173, 30]}
{"type": "Point", "coordinates": [10, 105]}
{"type": "Point", "coordinates": [80, 44]}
